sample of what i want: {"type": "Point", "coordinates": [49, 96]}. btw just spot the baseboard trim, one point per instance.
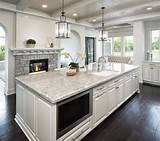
{"type": "Point", "coordinates": [25, 130]}
{"type": "Point", "coordinates": [10, 92]}
{"type": "Point", "coordinates": [151, 83]}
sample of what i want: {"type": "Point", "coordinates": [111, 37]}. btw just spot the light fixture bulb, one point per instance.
{"type": "Point", "coordinates": [75, 14]}
{"type": "Point", "coordinates": [149, 8]}
{"type": "Point", "coordinates": [94, 20]}
{"type": "Point", "coordinates": [44, 5]}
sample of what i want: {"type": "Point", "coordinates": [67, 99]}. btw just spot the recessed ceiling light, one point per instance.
{"type": "Point", "coordinates": [44, 5]}
{"type": "Point", "coordinates": [75, 14]}
{"type": "Point", "coordinates": [149, 8]}
{"type": "Point", "coordinates": [94, 20]}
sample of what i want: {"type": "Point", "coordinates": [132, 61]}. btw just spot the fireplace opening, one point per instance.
{"type": "Point", "coordinates": [40, 65]}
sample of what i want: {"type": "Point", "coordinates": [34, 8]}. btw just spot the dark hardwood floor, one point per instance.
{"type": "Point", "coordinates": [137, 120]}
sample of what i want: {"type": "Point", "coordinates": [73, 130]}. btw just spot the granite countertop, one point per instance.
{"type": "Point", "coordinates": [55, 86]}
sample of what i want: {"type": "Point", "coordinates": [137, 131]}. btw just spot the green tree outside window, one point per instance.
{"type": "Point", "coordinates": [2, 53]}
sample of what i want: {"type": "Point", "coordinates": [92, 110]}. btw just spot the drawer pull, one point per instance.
{"type": "Point", "coordinates": [116, 81]}
{"type": "Point", "coordinates": [73, 139]}
{"type": "Point", "coordinates": [83, 131]}
{"type": "Point", "coordinates": [98, 89]}
{"type": "Point", "coordinates": [117, 87]}
{"type": "Point", "coordinates": [100, 94]}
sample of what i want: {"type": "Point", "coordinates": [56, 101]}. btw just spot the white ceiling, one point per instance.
{"type": "Point", "coordinates": [88, 10]}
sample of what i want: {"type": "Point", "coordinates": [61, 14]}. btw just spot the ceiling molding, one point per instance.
{"type": "Point", "coordinates": [126, 10]}
{"type": "Point", "coordinates": [142, 17]}
{"type": "Point", "coordinates": [23, 4]}
{"type": "Point", "coordinates": [74, 6]}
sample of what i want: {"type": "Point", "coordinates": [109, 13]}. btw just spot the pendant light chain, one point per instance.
{"type": "Point", "coordinates": [62, 8]}
{"type": "Point", "coordinates": [103, 22]}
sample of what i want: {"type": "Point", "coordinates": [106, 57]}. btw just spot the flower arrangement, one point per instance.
{"type": "Point", "coordinates": [74, 62]}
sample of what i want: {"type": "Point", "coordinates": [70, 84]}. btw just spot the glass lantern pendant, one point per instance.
{"type": "Point", "coordinates": [62, 26]}
{"type": "Point", "coordinates": [103, 35]}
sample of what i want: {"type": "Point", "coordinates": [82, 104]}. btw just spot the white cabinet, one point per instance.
{"type": "Point", "coordinates": [155, 74]}
{"type": "Point", "coordinates": [146, 74]}
{"type": "Point", "coordinates": [29, 109]}
{"type": "Point", "coordinates": [120, 93]}
{"type": "Point", "coordinates": [100, 106]}
{"type": "Point", "coordinates": [25, 106]}
{"type": "Point", "coordinates": [112, 98]}
{"type": "Point", "coordinates": [19, 101]}
{"type": "Point", "coordinates": [128, 86]}
{"type": "Point", "coordinates": [135, 82]}
{"type": "Point", "coordinates": [151, 72]}
{"type": "Point", "coordinates": [43, 120]}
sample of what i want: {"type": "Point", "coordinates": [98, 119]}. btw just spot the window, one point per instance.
{"type": "Point", "coordinates": [2, 44]}
{"type": "Point", "coordinates": [117, 46]}
{"type": "Point", "coordinates": [155, 45]}
{"type": "Point", "coordinates": [108, 47]}
{"type": "Point", "coordinates": [128, 44]}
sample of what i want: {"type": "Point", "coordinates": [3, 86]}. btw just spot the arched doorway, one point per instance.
{"type": "Point", "coordinates": [72, 46]}
{"type": "Point", "coordinates": [2, 58]}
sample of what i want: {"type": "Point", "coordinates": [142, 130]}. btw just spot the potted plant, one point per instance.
{"type": "Point", "coordinates": [74, 62]}
{"type": "Point", "coordinates": [30, 43]}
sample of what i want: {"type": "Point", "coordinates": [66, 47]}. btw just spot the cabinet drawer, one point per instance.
{"type": "Point", "coordinates": [77, 135]}
{"type": "Point", "coordinates": [128, 76]}
{"type": "Point", "coordinates": [114, 82]}
{"type": "Point", "coordinates": [99, 89]}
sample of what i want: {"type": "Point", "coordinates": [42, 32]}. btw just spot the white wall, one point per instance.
{"type": "Point", "coordinates": [40, 29]}
{"type": "Point", "coordinates": [139, 45]}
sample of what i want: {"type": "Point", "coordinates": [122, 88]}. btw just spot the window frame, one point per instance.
{"type": "Point", "coordinates": [122, 54]}
{"type": "Point", "coordinates": [150, 45]}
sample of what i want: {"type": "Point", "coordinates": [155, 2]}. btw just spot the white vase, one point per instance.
{"type": "Point", "coordinates": [30, 45]}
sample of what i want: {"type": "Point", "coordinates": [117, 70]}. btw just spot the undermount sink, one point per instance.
{"type": "Point", "coordinates": [105, 73]}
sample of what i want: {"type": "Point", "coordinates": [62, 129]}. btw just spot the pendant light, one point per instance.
{"type": "Point", "coordinates": [103, 35]}
{"type": "Point", "coordinates": [62, 26]}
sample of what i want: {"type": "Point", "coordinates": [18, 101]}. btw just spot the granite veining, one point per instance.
{"type": "Point", "coordinates": [56, 86]}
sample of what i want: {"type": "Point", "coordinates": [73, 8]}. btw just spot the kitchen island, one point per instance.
{"type": "Point", "coordinates": [46, 101]}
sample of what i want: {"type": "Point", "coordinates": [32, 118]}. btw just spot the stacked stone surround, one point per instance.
{"type": "Point", "coordinates": [23, 57]}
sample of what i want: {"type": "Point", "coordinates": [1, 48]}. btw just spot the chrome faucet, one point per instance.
{"type": "Point", "coordinates": [101, 63]}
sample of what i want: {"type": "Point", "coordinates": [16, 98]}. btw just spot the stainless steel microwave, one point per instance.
{"type": "Point", "coordinates": [73, 111]}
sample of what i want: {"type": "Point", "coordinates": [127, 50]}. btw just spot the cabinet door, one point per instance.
{"type": "Point", "coordinates": [120, 93]}
{"type": "Point", "coordinates": [100, 106]}
{"type": "Point", "coordinates": [29, 109]}
{"type": "Point", "coordinates": [128, 87]}
{"type": "Point", "coordinates": [112, 99]}
{"type": "Point", "coordinates": [43, 120]}
{"type": "Point", "coordinates": [19, 100]}
{"type": "Point", "coordinates": [136, 81]}
{"type": "Point", "coordinates": [155, 74]}
{"type": "Point", "coordinates": [146, 74]}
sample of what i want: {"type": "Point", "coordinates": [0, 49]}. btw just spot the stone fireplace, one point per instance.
{"type": "Point", "coordinates": [36, 60]}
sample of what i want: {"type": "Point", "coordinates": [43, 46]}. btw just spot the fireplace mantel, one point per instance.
{"type": "Point", "coordinates": [23, 57]}
{"type": "Point", "coordinates": [35, 51]}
